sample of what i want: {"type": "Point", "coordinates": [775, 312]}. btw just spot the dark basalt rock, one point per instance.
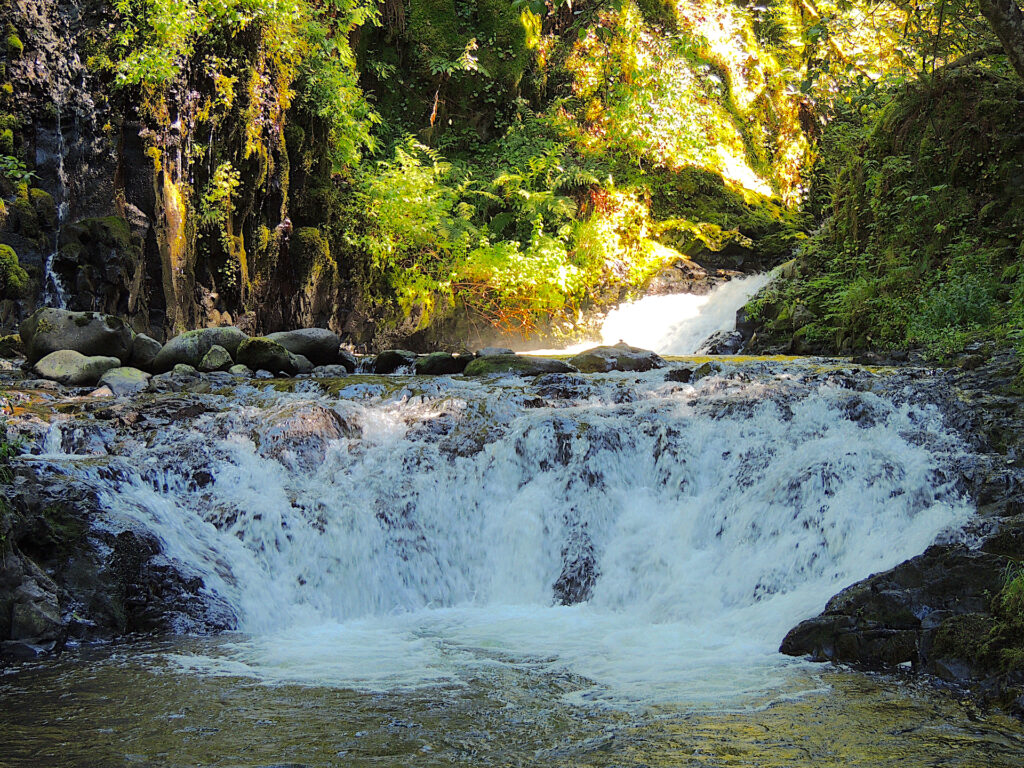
{"type": "Point", "coordinates": [390, 360]}
{"type": "Point", "coordinates": [722, 343]}
{"type": "Point", "coordinates": [523, 365]}
{"type": "Point", "coordinates": [618, 357]}
{"type": "Point", "coordinates": [440, 364]}
{"type": "Point", "coordinates": [318, 345]}
{"type": "Point", "coordinates": [263, 354]}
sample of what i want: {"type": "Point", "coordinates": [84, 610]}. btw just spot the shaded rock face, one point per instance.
{"type": "Point", "coordinates": [318, 345]}
{"type": "Point", "coordinates": [89, 333]}
{"type": "Point", "coordinates": [262, 354]}
{"type": "Point", "coordinates": [619, 357]}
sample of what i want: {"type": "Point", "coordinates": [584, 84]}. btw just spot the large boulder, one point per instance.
{"type": "Point", "coordinates": [66, 366]}
{"type": "Point", "coordinates": [144, 352]}
{"type": "Point", "coordinates": [523, 365]}
{"type": "Point", "coordinates": [125, 381]}
{"type": "Point", "coordinates": [191, 347]}
{"type": "Point", "coordinates": [618, 357]}
{"type": "Point", "coordinates": [390, 360]}
{"type": "Point", "coordinates": [263, 354]}
{"type": "Point", "coordinates": [217, 359]}
{"type": "Point", "coordinates": [441, 363]}
{"type": "Point", "coordinates": [722, 343]}
{"type": "Point", "coordinates": [89, 333]}
{"type": "Point", "coordinates": [318, 345]}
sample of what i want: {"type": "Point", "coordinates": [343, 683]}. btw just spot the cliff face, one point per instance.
{"type": "Point", "coordinates": [113, 215]}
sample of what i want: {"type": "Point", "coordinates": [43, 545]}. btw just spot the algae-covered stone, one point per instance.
{"type": "Point", "coordinates": [89, 333]}
{"type": "Point", "coordinates": [144, 352]}
{"type": "Point", "coordinates": [191, 347]}
{"type": "Point", "coordinates": [618, 357]}
{"type": "Point", "coordinates": [390, 360]}
{"type": "Point", "coordinates": [125, 381]}
{"type": "Point", "coordinates": [523, 365]}
{"type": "Point", "coordinates": [440, 363]}
{"type": "Point", "coordinates": [11, 346]}
{"type": "Point", "coordinates": [261, 353]}
{"type": "Point", "coordinates": [67, 366]}
{"type": "Point", "coordinates": [318, 345]}
{"type": "Point", "coordinates": [216, 359]}
{"type": "Point", "coordinates": [240, 370]}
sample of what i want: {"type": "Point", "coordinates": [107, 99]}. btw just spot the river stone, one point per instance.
{"type": "Point", "coordinates": [440, 363]}
{"type": "Point", "coordinates": [523, 365]}
{"type": "Point", "coordinates": [88, 333]}
{"type": "Point", "coordinates": [318, 345]}
{"type": "Point", "coordinates": [348, 360]}
{"type": "Point", "coordinates": [722, 343]}
{"type": "Point", "coordinates": [494, 351]}
{"type": "Point", "coordinates": [390, 360]}
{"type": "Point", "coordinates": [217, 359]}
{"type": "Point", "coordinates": [331, 371]}
{"type": "Point", "coordinates": [618, 357]}
{"type": "Point", "coordinates": [240, 370]}
{"type": "Point", "coordinates": [191, 347]}
{"type": "Point", "coordinates": [263, 354]}
{"type": "Point", "coordinates": [301, 364]}
{"type": "Point", "coordinates": [144, 352]}
{"type": "Point", "coordinates": [67, 366]}
{"type": "Point", "coordinates": [125, 381]}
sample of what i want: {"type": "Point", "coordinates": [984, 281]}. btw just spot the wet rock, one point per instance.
{"type": "Point", "coordinates": [618, 357]}
{"type": "Point", "coordinates": [575, 583]}
{"type": "Point", "coordinates": [440, 363]}
{"type": "Point", "coordinates": [216, 359]}
{"type": "Point", "coordinates": [884, 620]}
{"type": "Point", "coordinates": [301, 364]}
{"type": "Point", "coordinates": [50, 330]}
{"type": "Point", "coordinates": [191, 347]}
{"type": "Point", "coordinates": [144, 352]}
{"type": "Point", "coordinates": [682, 375]}
{"type": "Point", "coordinates": [331, 371]}
{"type": "Point", "coordinates": [125, 381]}
{"type": "Point", "coordinates": [240, 370]}
{"type": "Point", "coordinates": [11, 346]}
{"type": "Point", "coordinates": [390, 360]}
{"type": "Point", "coordinates": [102, 391]}
{"type": "Point", "coordinates": [260, 353]}
{"type": "Point", "coordinates": [494, 351]}
{"type": "Point", "coordinates": [182, 378]}
{"type": "Point", "coordinates": [72, 368]}
{"type": "Point", "coordinates": [318, 345]}
{"type": "Point", "coordinates": [523, 365]}
{"type": "Point", "coordinates": [348, 360]}
{"type": "Point", "coordinates": [722, 343]}
{"type": "Point", "coordinates": [299, 435]}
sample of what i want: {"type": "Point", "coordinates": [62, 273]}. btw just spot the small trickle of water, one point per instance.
{"type": "Point", "coordinates": [54, 294]}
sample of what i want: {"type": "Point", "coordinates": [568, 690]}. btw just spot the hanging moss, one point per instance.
{"type": "Point", "coordinates": [15, 48]}
{"type": "Point", "coordinates": [13, 279]}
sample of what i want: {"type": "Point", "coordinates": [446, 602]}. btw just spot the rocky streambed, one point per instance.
{"type": "Point", "coordinates": [91, 551]}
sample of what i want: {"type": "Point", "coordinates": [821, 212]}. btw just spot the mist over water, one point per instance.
{"type": "Point", "coordinates": [412, 533]}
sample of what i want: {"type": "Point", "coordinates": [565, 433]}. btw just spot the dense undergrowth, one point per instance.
{"type": "Point", "coordinates": [922, 239]}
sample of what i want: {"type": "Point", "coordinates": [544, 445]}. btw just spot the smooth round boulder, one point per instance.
{"type": "Point", "coordinates": [261, 353]}
{"type": "Point", "coordinates": [390, 360]}
{"type": "Point", "coordinates": [144, 352]}
{"type": "Point", "coordinates": [618, 357]}
{"type": "Point", "coordinates": [348, 360]}
{"type": "Point", "coordinates": [89, 333]}
{"type": "Point", "coordinates": [440, 364]}
{"type": "Point", "coordinates": [331, 371]}
{"type": "Point", "coordinates": [301, 364]}
{"type": "Point", "coordinates": [66, 366]}
{"type": "Point", "coordinates": [191, 347]}
{"type": "Point", "coordinates": [494, 351]}
{"type": "Point", "coordinates": [522, 365]}
{"type": "Point", "coordinates": [125, 381]}
{"type": "Point", "coordinates": [216, 359]}
{"type": "Point", "coordinates": [318, 345]}
{"type": "Point", "coordinates": [240, 370]}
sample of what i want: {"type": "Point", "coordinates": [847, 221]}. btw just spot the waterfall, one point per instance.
{"type": "Point", "coordinates": [655, 538]}
{"type": "Point", "coordinates": [675, 324]}
{"type": "Point", "coordinates": [54, 294]}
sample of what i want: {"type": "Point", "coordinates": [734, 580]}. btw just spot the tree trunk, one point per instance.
{"type": "Point", "coordinates": [1007, 21]}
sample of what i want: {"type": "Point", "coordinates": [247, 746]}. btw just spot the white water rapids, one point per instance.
{"type": "Point", "coordinates": [408, 532]}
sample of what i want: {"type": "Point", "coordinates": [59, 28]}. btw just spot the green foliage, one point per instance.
{"type": "Point", "coordinates": [14, 170]}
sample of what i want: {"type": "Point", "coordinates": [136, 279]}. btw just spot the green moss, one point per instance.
{"type": "Point", "coordinates": [15, 48]}
{"type": "Point", "coordinates": [43, 205]}
{"type": "Point", "coordinates": [7, 141]}
{"type": "Point", "coordinates": [13, 279]}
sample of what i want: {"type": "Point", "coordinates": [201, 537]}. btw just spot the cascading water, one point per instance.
{"type": "Point", "coordinates": [54, 294]}
{"type": "Point", "coordinates": [424, 531]}
{"type": "Point", "coordinates": [675, 324]}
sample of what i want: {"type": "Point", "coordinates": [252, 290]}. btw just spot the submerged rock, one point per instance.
{"type": "Point", "coordinates": [67, 366]}
{"type": "Point", "coordinates": [618, 357]}
{"type": "Point", "coordinates": [318, 345]}
{"type": "Point", "coordinates": [125, 381]}
{"type": "Point", "coordinates": [440, 363]}
{"type": "Point", "coordinates": [91, 334]}
{"type": "Point", "coordinates": [722, 343]}
{"type": "Point", "coordinates": [390, 360]}
{"type": "Point", "coordinates": [523, 365]}
{"type": "Point", "coordinates": [191, 347]}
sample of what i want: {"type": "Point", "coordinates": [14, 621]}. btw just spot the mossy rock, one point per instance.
{"type": "Point", "coordinates": [521, 365]}
{"type": "Point", "coordinates": [319, 345]}
{"type": "Point", "coordinates": [13, 279]}
{"type": "Point", "coordinates": [440, 364]}
{"type": "Point", "coordinates": [262, 354]}
{"type": "Point", "coordinates": [11, 346]}
{"type": "Point", "coordinates": [89, 333]}
{"type": "Point", "coordinates": [618, 357]}
{"type": "Point", "coordinates": [191, 347]}
{"type": "Point", "coordinates": [44, 206]}
{"type": "Point", "coordinates": [66, 366]}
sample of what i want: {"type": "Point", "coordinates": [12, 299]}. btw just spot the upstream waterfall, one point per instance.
{"type": "Point", "coordinates": [656, 539]}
